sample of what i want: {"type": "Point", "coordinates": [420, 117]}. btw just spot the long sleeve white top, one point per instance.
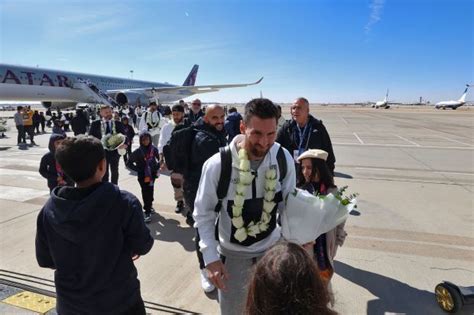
{"type": "Point", "coordinates": [165, 134]}
{"type": "Point", "coordinates": [206, 200]}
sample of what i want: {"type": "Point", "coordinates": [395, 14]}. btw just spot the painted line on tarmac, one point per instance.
{"type": "Point", "coordinates": [376, 169]}
{"type": "Point", "coordinates": [344, 120]}
{"type": "Point", "coordinates": [453, 140]}
{"type": "Point", "coordinates": [358, 138]}
{"type": "Point", "coordinates": [455, 173]}
{"type": "Point", "coordinates": [409, 141]}
{"type": "Point", "coordinates": [401, 146]}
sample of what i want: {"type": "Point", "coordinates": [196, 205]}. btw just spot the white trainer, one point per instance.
{"type": "Point", "coordinates": [206, 285]}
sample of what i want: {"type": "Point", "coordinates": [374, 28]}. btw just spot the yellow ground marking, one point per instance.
{"type": "Point", "coordinates": [32, 301]}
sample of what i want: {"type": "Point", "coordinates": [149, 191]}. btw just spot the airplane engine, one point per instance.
{"type": "Point", "coordinates": [131, 98]}
{"type": "Point", "coordinates": [59, 105]}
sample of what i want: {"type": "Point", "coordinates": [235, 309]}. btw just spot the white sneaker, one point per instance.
{"type": "Point", "coordinates": [206, 285]}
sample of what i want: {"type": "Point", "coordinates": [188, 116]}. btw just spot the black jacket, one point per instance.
{"type": "Point", "coordinates": [207, 142]}
{"type": "Point", "coordinates": [89, 235]}
{"type": "Point", "coordinates": [96, 128]}
{"type": "Point", "coordinates": [193, 118]}
{"type": "Point", "coordinates": [288, 137]}
{"type": "Point", "coordinates": [136, 162]}
{"type": "Point", "coordinates": [79, 123]}
{"type": "Point", "coordinates": [47, 167]}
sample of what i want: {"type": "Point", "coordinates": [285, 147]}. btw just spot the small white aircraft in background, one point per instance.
{"type": "Point", "coordinates": [453, 104]}
{"type": "Point", "coordinates": [61, 89]}
{"type": "Point", "coordinates": [382, 104]}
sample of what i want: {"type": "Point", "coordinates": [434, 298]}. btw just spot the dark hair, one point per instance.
{"type": "Point", "coordinates": [166, 110]}
{"type": "Point", "coordinates": [79, 157]}
{"type": "Point", "coordinates": [177, 108]}
{"type": "Point", "coordinates": [263, 108]}
{"type": "Point", "coordinates": [320, 166]}
{"type": "Point", "coordinates": [232, 110]}
{"type": "Point", "coordinates": [19, 107]}
{"type": "Point", "coordinates": [286, 281]}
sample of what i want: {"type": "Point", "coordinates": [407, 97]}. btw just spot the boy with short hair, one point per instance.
{"type": "Point", "coordinates": [90, 234]}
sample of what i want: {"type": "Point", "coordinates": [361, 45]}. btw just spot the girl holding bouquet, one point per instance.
{"type": "Point", "coordinates": [315, 177]}
{"type": "Point", "coordinates": [145, 161]}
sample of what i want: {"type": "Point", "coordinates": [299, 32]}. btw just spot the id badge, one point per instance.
{"type": "Point", "coordinates": [296, 153]}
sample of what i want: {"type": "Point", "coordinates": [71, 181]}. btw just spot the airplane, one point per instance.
{"type": "Point", "coordinates": [382, 104]}
{"type": "Point", "coordinates": [61, 90]}
{"type": "Point", "coordinates": [453, 104]}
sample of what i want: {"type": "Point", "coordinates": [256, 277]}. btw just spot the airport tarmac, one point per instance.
{"type": "Point", "coordinates": [413, 169]}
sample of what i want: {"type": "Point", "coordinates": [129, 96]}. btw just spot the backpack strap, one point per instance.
{"type": "Point", "coordinates": [224, 179]}
{"type": "Point", "coordinates": [282, 166]}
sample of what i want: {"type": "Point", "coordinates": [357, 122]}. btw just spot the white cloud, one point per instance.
{"type": "Point", "coordinates": [376, 8]}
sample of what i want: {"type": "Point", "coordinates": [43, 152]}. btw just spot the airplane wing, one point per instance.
{"type": "Point", "coordinates": [196, 89]}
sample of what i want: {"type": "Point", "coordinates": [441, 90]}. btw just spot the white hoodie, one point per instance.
{"type": "Point", "coordinates": [206, 200]}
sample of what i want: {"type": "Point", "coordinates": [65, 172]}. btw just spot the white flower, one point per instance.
{"type": "Point", "coordinates": [270, 184]}
{"type": "Point", "coordinates": [236, 211]}
{"type": "Point", "coordinates": [238, 222]}
{"type": "Point", "coordinates": [244, 165]}
{"type": "Point", "coordinates": [268, 206]}
{"type": "Point", "coordinates": [239, 200]}
{"type": "Point", "coordinates": [245, 178]}
{"type": "Point", "coordinates": [241, 234]}
{"type": "Point", "coordinates": [263, 227]}
{"type": "Point", "coordinates": [253, 230]}
{"type": "Point", "coordinates": [243, 154]}
{"type": "Point", "coordinates": [240, 189]}
{"type": "Point", "coordinates": [270, 174]}
{"type": "Point", "coordinates": [265, 218]}
{"type": "Point", "coordinates": [269, 195]}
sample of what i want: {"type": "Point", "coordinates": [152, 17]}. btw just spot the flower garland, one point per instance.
{"type": "Point", "coordinates": [245, 179]}
{"type": "Point", "coordinates": [114, 131]}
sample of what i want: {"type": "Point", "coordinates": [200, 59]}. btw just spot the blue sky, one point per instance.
{"type": "Point", "coordinates": [327, 51]}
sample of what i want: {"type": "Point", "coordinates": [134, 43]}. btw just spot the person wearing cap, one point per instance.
{"type": "Point", "coordinates": [195, 112]}
{"type": "Point", "coordinates": [152, 122]}
{"type": "Point", "coordinates": [304, 132]}
{"type": "Point", "coordinates": [177, 112]}
{"type": "Point", "coordinates": [315, 177]}
{"type": "Point", "coordinates": [100, 128]}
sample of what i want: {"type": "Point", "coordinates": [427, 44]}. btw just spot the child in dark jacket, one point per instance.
{"type": "Point", "coordinates": [91, 234]}
{"type": "Point", "coordinates": [145, 161]}
{"type": "Point", "coordinates": [50, 169]}
{"type": "Point", "coordinates": [129, 134]}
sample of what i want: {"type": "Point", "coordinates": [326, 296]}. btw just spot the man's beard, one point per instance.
{"type": "Point", "coordinates": [257, 152]}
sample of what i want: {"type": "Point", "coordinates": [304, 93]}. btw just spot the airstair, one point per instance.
{"type": "Point", "coordinates": [94, 93]}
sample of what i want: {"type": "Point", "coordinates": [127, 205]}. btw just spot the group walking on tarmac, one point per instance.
{"type": "Point", "coordinates": [241, 181]}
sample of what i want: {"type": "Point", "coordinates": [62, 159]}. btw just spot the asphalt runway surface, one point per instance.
{"type": "Point", "coordinates": [414, 227]}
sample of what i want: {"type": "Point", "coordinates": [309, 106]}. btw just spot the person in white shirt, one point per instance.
{"type": "Point", "coordinates": [152, 122]}
{"type": "Point", "coordinates": [247, 224]}
{"type": "Point", "coordinates": [177, 112]}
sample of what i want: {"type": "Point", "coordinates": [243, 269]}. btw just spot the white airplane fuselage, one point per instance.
{"type": "Point", "coordinates": [453, 104]}
{"type": "Point", "coordinates": [19, 83]}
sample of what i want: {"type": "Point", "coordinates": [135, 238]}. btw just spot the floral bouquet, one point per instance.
{"type": "Point", "coordinates": [112, 142]}
{"type": "Point", "coordinates": [306, 216]}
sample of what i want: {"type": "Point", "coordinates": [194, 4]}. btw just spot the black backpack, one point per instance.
{"type": "Point", "coordinates": [226, 172]}
{"type": "Point", "coordinates": [177, 151]}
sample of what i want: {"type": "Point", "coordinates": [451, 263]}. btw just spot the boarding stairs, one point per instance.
{"type": "Point", "coordinates": [95, 94]}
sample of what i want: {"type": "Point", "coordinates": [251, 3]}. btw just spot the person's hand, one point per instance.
{"type": "Point", "coordinates": [218, 274]}
{"type": "Point", "coordinates": [163, 166]}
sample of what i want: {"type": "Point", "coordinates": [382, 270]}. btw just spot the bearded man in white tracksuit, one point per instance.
{"type": "Point", "coordinates": [247, 224]}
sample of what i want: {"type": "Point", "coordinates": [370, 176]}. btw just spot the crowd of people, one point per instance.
{"type": "Point", "coordinates": [230, 174]}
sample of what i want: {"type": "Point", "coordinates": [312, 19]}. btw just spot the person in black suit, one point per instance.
{"type": "Point", "coordinates": [103, 127]}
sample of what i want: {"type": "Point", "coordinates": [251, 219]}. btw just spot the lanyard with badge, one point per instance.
{"type": "Point", "coordinates": [301, 147]}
